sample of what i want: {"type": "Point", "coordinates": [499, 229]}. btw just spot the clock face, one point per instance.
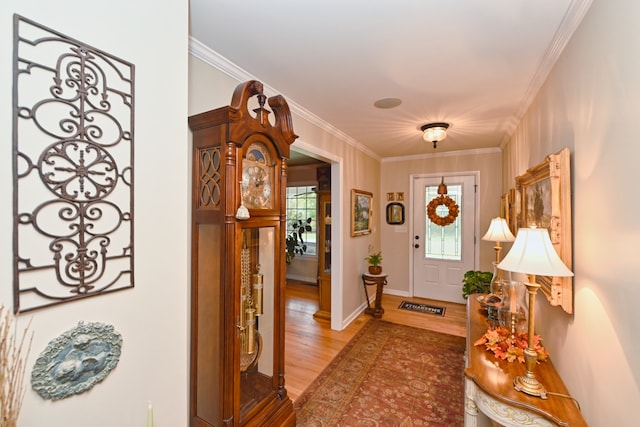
{"type": "Point", "coordinates": [256, 182]}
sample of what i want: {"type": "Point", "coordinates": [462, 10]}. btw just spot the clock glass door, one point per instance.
{"type": "Point", "coordinates": [257, 316]}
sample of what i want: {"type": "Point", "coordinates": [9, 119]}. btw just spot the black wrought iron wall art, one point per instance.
{"type": "Point", "coordinates": [73, 108]}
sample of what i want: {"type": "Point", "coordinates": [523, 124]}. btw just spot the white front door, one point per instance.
{"type": "Point", "coordinates": [442, 254]}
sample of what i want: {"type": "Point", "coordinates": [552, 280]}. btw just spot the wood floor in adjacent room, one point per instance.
{"type": "Point", "coordinates": [311, 344]}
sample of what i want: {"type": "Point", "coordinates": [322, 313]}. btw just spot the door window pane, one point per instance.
{"type": "Point", "coordinates": [443, 242]}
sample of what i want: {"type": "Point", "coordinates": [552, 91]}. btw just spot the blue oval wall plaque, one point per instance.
{"type": "Point", "coordinates": [76, 361]}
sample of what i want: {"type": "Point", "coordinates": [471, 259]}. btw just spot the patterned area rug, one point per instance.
{"type": "Point", "coordinates": [389, 375]}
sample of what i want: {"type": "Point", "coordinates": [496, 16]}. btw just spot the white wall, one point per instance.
{"type": "Point", "coordinates": [152, 317]}
{"type": "Point", "coordinates": [591, 104]}
{"type": "Point", "coordinates": [396, 240]}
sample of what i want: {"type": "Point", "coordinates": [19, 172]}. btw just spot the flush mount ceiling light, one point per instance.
{"type": "Point", "coordinates": [434, 132]}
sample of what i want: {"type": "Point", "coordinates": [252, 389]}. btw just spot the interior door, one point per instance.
{"type": "Point", "coordinates": [442, 254]}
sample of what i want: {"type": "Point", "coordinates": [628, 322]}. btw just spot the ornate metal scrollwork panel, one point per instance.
{"type": "Point", "coordinates": [73, 169]}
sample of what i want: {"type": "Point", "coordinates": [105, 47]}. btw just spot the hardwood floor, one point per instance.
{"type": "Point", "coordinates": [311, 344]}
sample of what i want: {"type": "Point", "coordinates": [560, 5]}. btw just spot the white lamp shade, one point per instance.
{"type": "Point", "coordinates": [533, 253]}
{"type": "Point", "coordinates": [499, 231]}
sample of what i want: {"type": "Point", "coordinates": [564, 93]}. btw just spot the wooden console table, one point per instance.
{"type": "Point", "coordinates": [489, 392]}
{"type": "Point", "coordinates": [380, 281]}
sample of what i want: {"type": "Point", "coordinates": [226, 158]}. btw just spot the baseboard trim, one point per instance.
{"type": "Point", "coordinates": [302, 278]}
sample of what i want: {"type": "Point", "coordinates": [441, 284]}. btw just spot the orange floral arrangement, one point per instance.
{"type": "Point", "coordinates": [503, 346]}
{"type": "Point", "coordinates": [444, 200]}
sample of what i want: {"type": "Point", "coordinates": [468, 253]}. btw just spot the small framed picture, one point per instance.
{"type": "Point", "coordinates": [400, 196]}
{"type": "Point", "coordinates": [391, 197]}
{"type": "Point", "coordinates": [361, 212]}
{"type": "Point", "coordinates": [395, 213]}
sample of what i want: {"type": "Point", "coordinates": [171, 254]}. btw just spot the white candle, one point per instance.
{"type": "Point", "coordinates": [150, 415]}
{"type": "Point", "coordinates": [513, 296]}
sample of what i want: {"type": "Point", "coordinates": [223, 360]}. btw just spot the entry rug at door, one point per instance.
{"type": "Point", "coordinates": [422, 308]}
{"type": "Point", "coordinates": [389, 375]}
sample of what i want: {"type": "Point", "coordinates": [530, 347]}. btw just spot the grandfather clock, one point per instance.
{"type": "Point", "coordinates": [238, 264]}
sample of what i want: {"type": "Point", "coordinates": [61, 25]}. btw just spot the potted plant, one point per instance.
{"type": "Point", "coordinates": [294, 241]}
{"type": "Point", "coordinates": [476, 282]}
{"type": "Point", "coordinates": [374, 260]}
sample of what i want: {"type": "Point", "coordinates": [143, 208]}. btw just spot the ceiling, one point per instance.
{"type": "Point", "coordinates": [473, 64]}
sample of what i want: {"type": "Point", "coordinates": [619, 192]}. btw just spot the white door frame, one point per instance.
{"type": "Point", "coordinates": [476, 219]}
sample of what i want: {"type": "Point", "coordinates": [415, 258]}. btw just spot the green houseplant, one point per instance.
{"type": "Point", "coordinates": [476, 282]}
{"type": "Point", "coordinates": [374, 259]}
{"type": "Point", "coordinates": [294, 241]}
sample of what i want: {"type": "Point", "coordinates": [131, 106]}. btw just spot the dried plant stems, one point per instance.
{"type": "Point", "coordinates": [13, 355]}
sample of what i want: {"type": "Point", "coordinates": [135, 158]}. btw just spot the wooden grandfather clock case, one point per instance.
{"type": "Point", "coordinates": [238, 265]}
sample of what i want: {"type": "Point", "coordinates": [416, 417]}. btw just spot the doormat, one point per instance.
{"type": "Point", "coordinates": [422, 308]}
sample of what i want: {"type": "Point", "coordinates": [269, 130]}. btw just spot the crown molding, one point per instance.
{"type": "Point", "coordinates": [219, 62]}
{"type": "Point", "coordinates": [570, 22]}
{"type": "Point", "coordinates": [459, 153]}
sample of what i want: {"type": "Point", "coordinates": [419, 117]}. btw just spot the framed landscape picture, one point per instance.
{"type": "Point", "coordinates": [509, 210]}
{"type": "Point", "coordinates": [361, 212]}
{"type": "Point", "coordinates": [545, 197]}
{"type": "Point", "coordinates": [514, 210]}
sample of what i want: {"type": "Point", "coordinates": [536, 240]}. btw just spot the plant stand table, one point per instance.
{"type": "Point", "coordinates": [380, 281]}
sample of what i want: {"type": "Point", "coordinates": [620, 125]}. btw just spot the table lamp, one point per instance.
{"type": "Point", "coordinates": [533, 254]}
{"type": "Point", "coordinates": [498, 232]}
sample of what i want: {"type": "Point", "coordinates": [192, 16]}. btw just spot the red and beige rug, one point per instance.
{"type": "Point", "coordinates": [389, 375]}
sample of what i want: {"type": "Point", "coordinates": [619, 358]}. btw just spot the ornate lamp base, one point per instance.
{"type": "Point", "coordinates": [528, 383]}
{"type": "Point", "coordinates": [530, 386]}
